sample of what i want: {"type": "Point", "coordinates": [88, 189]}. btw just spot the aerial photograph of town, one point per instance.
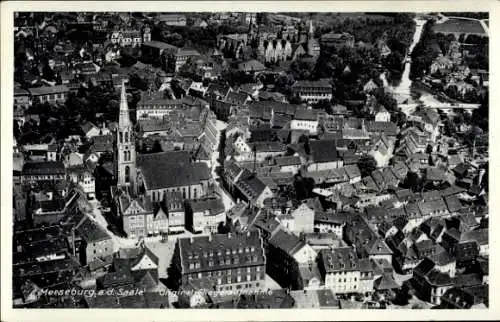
{"type": "Point", "coordinates": [250, 160]}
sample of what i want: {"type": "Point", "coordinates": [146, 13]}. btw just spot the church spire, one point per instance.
{"type": "Point", "coordinates": [311, 28]}
{"type": "Point", "coordinates": [124, 119]}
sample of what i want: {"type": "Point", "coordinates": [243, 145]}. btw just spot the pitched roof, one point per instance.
{"type": "Point", "coordinates": [91, 232]}
{"type": "Point", "coordinates": [323, 151]}
{"type": "Point", "coordinates": [214, 206]}
{"type": "Point", "coordinates": [339, 259]}
{"type": "Point", "coordinates": [43, 167]}
{"type": "Point", "coordinates": [385, 282]}
{"type": "Point", "coordinates": [45, 90]}
{"type": "Point", "coordinates": [171, 169]}
{"type": "Point", "coordinates": [287, 242]}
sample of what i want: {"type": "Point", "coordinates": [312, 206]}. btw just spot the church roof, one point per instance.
{"type": "Point", "coordinates": [160, 171]}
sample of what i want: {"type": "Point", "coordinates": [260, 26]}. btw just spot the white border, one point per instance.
{"type": "Point", "coordinates": [6, 20]}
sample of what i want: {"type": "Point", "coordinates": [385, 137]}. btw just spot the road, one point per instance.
{"type": "Point", "coordinates": [226, 199]}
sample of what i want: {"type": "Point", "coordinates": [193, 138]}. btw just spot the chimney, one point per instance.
{"type": "Point", "coordinates": [229, 235]}
{"type": "Point", "coordinates": [191, 239]}
{"type": "Point", "coordinates": [210, 237]}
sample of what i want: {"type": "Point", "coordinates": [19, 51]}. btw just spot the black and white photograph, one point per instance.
{"type": "Point", "coordinates": [249, 160]}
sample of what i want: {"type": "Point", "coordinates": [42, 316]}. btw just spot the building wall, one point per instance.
{"type": "Point", "coordinates": [176, 221]}
{"type": "Point", "coordinates": [194, 191]}
{"type": "Point", "coordinates": [338, 229]}
{"type": "Point", "coordinates": [51, 98]}
{"type": "Point", "coordinates": [318, 166]}
{"type": "Point", "coordinates": [267, 193]}
{"type": "Point", "coordinates": [308, 125]}
{"type": "Point", "coordinates": [99, 249]}
{"type": "Point", "coordinates": [290, 168]}
{"type": "Point", "coordinates": [366, 282]}
{"type": "Point", "coordinates": [343, 281]}
{"type": "Point", "coordinates": [384, 257]}
{"type": "Point", "coordinates": [303, 219]}
{"type": "Point", "coordinates": [447, 269]}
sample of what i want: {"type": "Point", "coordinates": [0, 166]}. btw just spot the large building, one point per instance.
{"type": "Point", "coordinates": [313, 91]}
{"type": "Point", "coordinates": [220, 262]}
{"type": "Point", "coordinates": [49, 94]}
{"type": "Point", "coordinates": [156, 108]}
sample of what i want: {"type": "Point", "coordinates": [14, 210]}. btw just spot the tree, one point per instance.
{"type": "Point", "coordinates": [156, 147]}
{"type": "Point", "coordinates": [366, 165]}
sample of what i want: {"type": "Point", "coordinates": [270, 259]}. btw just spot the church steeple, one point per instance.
{"type": "Point", "coordinates": [124, 119]}
{"type": "Point", "coordinates": [311, 29]}
{"type": "Point", "coordinates": [125, 155]}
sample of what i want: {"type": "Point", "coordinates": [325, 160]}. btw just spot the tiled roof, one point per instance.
{"type": "Point", "coordinates": [287, 160]}
{"type": "Point", "coordinates": [250, 185]}
{"type": "Point", "coordinates": [340, 259]}
{"type": "Point", "coordinates": [323, 151]}
{"type": "Point", "coordinates": [48, 90]}
{"type": "Point", "coordinates": [213, 205]}
{"type": "Point", "coordinates": [91, 232]}
{"type": "Point", "coordinates": [287, 242]}
{"type": "Point", "coordinates": [44, 167]}
{"type": "Point", "coordinates": [163, 170]}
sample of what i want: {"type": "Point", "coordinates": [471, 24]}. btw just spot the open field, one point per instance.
{"type": "Point", "coordinates": [465, 26]}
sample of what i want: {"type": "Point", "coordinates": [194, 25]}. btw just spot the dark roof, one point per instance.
{"type": "Point", "coordinates": [429, 207]}
{"type": "Point", "coordinates": [102, 143]}
{"type": "Point", "coordinates": [250, 185]}
{"type": "Point", "coordinates": [213, 205]}
{"type": "Point", "coordinates": [442, 258]}
{"type": "Point", "coordinates": [439, 279]}
{"type": "Point", "coordinates": [237, 98]}
{"type": "Point", "coordinates": [44, 167]}
{"type": "Point", "coordinates": [454, 204]}
{"type": "Point", "coordinates": [91, 232]}
{"type": "Point", "coordinates": [286, 241]}
{"type": "Point", "coordinates": [48, 90]}
{"type": "Point", "coordinates": [171, 169]}
{"type": "Point", "coordinates": [323, 151]}
{"type": "Point", "coordinates": [424, 267]}
{"type": "Point", "coordinates": [388, 128]}
{"type": "Point", "coordinates": [466, 251]}
{"type": "Point", "coordinates": [467, 280]}
{"type": "Point", "coordinates": [287, 160]}
{"type": "Point", "coordinates": [479, 235]}
{"type": "Point", "coordinates": [385, 282]}
{"type": "Point", "coordinates": [434, 174]}
{"type": "Point", "coordinates": [339, 259]}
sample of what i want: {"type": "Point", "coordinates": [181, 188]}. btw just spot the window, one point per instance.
{"type": "Point", "coordinates": [229, 279]}
{"type": "Point", "coordinates": [121, 136]}
{"type": "Point", "coordinates": [126, 136]}
{"type": "Point", "coordinates": [195, 193]}
{"type": "Point", "coordinates": [127, 174]}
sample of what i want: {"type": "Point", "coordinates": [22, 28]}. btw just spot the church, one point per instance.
{"type": "Point", "coordinates": [144, 181]}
